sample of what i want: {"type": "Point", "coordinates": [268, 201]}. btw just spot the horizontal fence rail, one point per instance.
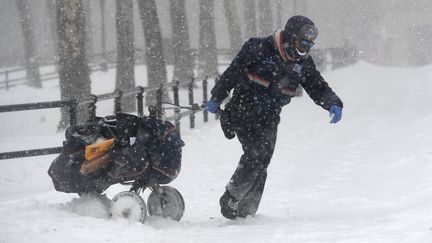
{"type": "Point", "coordinates": [30, 153]}
{"type": "Point", "coordinates": [91, 102]}
{"type": "Point", "coordinates": [10, 77]}
{"type": "Point", "coordinates": [71, 104]}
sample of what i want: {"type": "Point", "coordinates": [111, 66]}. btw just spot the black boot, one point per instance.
{"type": "Point", "coordinates": [229, 206]}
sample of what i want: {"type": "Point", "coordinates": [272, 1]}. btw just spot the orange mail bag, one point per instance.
{"type": "Point", "coordinates": [96, 150]}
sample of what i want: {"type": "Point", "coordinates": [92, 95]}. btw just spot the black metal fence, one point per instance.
{"type": "Point", "coordinates": [139, 92]}
{"type": "Point", "coordinates": [17, 76]}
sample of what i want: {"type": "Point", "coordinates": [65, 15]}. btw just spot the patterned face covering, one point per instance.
{"type": "Point", "coordinates": [305, 39]}
{"type": "Point", "coordinates": [306, 44]}
{"type": "Point", "coordinates": [308, 33]}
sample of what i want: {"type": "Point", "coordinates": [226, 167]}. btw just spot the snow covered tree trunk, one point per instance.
{"type": "Point", "coordinates": [207, 40]}
{"type": "Point", "coordinates": [52, 17]}
{"type": "Point", "coordinates": [125, 78]}
{"type": "Point", "coordinates": [250, 18]}
{"type": "Point", "coordinates": [32, 63]}
{"type": "Point", "coordinates": [183, 62]}
{"type": "Point", "coordinates": [87, 7]}
{"type": "Point", "coordinates": [156, 69]}
{"type": "Point", "coordinates": [233, 26]}
{"type": "Point", "coordinates": [265, 18]}
{"type": "Point", "coordinates": [103, 61]}
{"type": "Point", "coordinates": [73, 66]}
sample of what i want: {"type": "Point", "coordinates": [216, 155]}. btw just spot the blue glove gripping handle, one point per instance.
{"type": "Point", "coordinates": [212, 106]}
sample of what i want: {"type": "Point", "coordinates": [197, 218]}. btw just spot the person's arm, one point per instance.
{"type": "Point", "coordinates": [233, 73]}
{"type": "Point", "coordinates": [317, 88]}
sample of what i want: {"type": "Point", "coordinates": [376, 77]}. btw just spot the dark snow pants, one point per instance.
{"type": "Point", "coordinates": [247, 182]}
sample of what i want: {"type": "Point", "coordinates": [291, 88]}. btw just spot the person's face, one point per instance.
{"type": "Point", "coordinates": [305, 38]}
{"type": "Point", "coordinates": [303, 45]}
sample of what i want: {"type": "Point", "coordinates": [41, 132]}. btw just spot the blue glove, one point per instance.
{"type": "Point", "coordinates": [335, 113]}
{"type": "Point", "coordinates": [212, 106]}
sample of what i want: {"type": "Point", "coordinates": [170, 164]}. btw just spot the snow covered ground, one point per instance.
{"type": "Point", "coordinates": [365, 179]}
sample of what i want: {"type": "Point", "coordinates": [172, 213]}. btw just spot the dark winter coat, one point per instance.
{"type": "Point", "coordinates": [264, 79]}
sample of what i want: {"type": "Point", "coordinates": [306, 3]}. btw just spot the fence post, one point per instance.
{"type": "Point", "coordinates": [217, 116]}
{"type": "Point", "coordinates": [152, 111]}
{"type": "Point", "coordinates": [7, 80]}
{"type": "Point", "coordinates": [117, 101]}
{"type": "Point", "coordinates": [177, 103]}
{"type": "Point", "coordinates": [205, 98]}
{"type": "Point", "coordinates": [92, 108]}
{"type": "Point", "coordinates": [73, 104]}
{"type": "Point", "coordinates": [191, 102]}
{"type": "Point", "coordinates": [140, 103]}
{"type": "Point", "coordinates": [159, 101]}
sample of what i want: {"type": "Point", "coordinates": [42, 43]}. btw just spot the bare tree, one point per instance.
{"type": "Point", "coordinates": [32, 62]}
{"type": "Point", "coordinates": [73, 66]}
{"type": "Point", "coordinates": [207, 40]}
{"type": "Point", "coordinates": [125, 78]}
{"type": "Point", "coordinates": [183, 65]}
{"type": "Point", "coordinates": [103, 62]}
{"type": "Point", "coordinates": [87, 8]}
{"type": "Point", "coordinates": [233, 26]}
{"type": "Point", "coordinates": [265, 17]}
{"type": "Point", "coordinates": [250, 18]}
{"type": "Point", "coordinates": [156, 69]}
{"type": "Point", "coordinates": [52, 18]}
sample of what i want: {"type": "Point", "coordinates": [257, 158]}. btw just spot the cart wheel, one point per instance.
{"type": "Point", "coordinates": [167, 202]}
{"type": "Point", "coordinates": [128, 205]}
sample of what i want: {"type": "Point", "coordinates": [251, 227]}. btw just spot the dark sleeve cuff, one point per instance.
{"type": "Point", "coordinates": [216, 99]}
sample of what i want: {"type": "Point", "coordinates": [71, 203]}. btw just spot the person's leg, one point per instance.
{"type": "Point", "coordinates": [250, 203]}
{"type": "Point", "coordinates": [244, 191]}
